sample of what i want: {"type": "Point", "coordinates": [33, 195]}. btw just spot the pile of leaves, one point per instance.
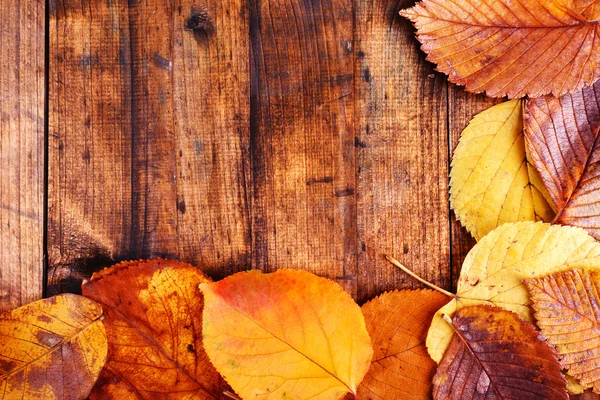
{"type": "Point", "coordinates": [524, 323]}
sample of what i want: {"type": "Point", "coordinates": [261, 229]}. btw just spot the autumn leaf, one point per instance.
{"type": "Point", "coordinates": [511, 48]}
{"type": "Point", "coordinates": [154, 327]}
{"type": "Point", "coordinates": [495, 355]}
{"type": "Point", "coordinates": [288, 335]}
{"type": "Point", "coordinates": [491, 181]}
{"type": "Point", "coordinates": [563, 137]}
{"type": "Point", "coordinates": [51, 349]}
{"type": "Point", "coordinates": [567, 312]}
{"type": "Point", "coordinates": [398, 323]}
{"type": "Point", "coordinates": [494, 269]}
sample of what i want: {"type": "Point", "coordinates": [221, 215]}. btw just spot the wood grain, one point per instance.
{"type": "Point", "coordinates": [402, 144]}
{"type": "Point", "coordinates": [21, 152]}
{"type": "Point", "coordinates": [148, 132]}
{"type": "Point", "coordinates": [302, 138]}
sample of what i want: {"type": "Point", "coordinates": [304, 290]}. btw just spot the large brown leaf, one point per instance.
{"type": "Point", "coordinates": [51, 349]}
{"type": "Point", "coordinates": [567, 309]}
{"type": "Point", "coordinates": [154, 326]}
{"type": "Point", "coordinates": [511, 47]}
{"type": "Point", "coordinates": [398, 324]}
{"type": "Point", "coordinates": [562, 136]}
{"type": "Point", "coordinates": [495, 355]}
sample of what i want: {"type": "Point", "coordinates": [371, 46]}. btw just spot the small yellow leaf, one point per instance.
{"type": "Point", "coordinates": [491, 181]}
{"type": "Point", "coordinates": [495, 268]}
{"type": "Point", "coordinates": [285, 335]}
{"type": "Point", "coordinates": [51, 349]}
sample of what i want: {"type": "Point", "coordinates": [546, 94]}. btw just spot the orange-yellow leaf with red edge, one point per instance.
{"type": "Point", "coordinates": [51, 349]}
{"type": "Point", "coordinates": [285, 335]}
{"type": "Point", "coordinates": [512, 48]}
{"type": "Point", "coordinates": [154, 326]}
{"type": "Point", "coordinates": [398, 323]}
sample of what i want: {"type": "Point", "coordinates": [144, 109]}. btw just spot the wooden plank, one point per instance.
{"type": "Point", "coordinates": [149, 125]}
{"type": "Point", "coordinates": [402, 142]}
{"type": "Point", "coordinates": [302, 140]}
{"type": "Point", "coordinates": [462, 107]}
{"type": "Point", "coordinates": [21, 151]}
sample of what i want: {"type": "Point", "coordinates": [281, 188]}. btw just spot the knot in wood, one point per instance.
{"type": "Point", "coordinates": [199, 20]}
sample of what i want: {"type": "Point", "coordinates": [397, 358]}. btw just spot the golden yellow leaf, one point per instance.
{"type": "Point", "coordinates": [491, 181]}
{"type": "Point", "coordinates": [51, 349]}
{"type": "Point", "coordinates": [567, 311]}
{"type": "Point", "coordinates": [285, 335]}
{"type": "Point", "coordinates": [511, 48]}
{"type": "Point", "coordinates": [495, 268]}
{"type": "Point", "coordinates": [398, 323]}
{"type": "Point", "coordinates": [154, 327]}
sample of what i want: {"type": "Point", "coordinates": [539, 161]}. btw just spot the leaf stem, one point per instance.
{"type": "Point", "coordinates": [417, 277]}
{"type": "Point", "coordinates": [227, 393]}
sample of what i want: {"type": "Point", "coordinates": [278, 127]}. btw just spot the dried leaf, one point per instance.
{"type": "Point", "coordinates": [51, 349]}
{"type": "Point", "coordinates": [288, 335]}
{"type": "Point", "coordinates": [494, 269]}
{"type": "Point", "coordinates": [563, 138]}
{"type": "Point", "coordinates": [398, 323]}
{"type": "Point", "coordinates": [491, 181]}
{"type": "Point", "coordinates": [154, 327]}
{"type": "Point", "coordinates": [513, 48]}
{"type": "Point", "coordinates": [495, 355]}
{"type": "Point", "coordinates": [567, 309]}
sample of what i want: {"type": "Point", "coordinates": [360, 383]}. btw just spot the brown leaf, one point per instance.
{"type": "Point", "coordinates": [511, 47]}
{"type": "Point", "coordinates": [51, 349]}
{"type": "Point", "coordinates": [562, 137]}
{"type": "Point", "coordinates": [495, 355]}
{"type": "Point", "coordinates": [154, 327]}
{"type": "Point", "coordinates": [567, 309]}
{"type": "Point", "coordinates": [398, 324]}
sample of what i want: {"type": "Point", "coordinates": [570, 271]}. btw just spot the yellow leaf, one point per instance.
{"type": "Point", "coordinates": [491, 181]}
{"type": "Point", "coordinates": [285, 335]}
{"type": "Point", "coordinates": [51, 349]}
{"type": "Point", "coordinates": [495, 268]}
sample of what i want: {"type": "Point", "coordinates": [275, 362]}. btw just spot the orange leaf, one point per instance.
{"type": "Point", "coordinates": [511, 47]}
{"type": "Point", "coordinates": [398, 324]}
{"type": "Point", "coordinates": [288, 335]}
{"type": "Point", "coordinates": [154, 328]}
{"type": "Point", "coordinates": [495, 355]}
{"type": "Point", "coordinates": [51, 349]}
{"type": "Point", "coordinates": [563, 140]}
{"type": "Point", "coordinates": [567, 310]}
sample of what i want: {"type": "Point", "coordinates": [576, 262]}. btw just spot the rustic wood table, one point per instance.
{"type": "Point", "coordinates": [230, 134]}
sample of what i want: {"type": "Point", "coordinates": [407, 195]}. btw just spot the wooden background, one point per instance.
{"type": "Point", "coordinates": [230, 134]}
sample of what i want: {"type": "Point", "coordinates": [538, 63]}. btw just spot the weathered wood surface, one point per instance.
{"type": "Point", "coordinates": [21, 152]}
{"type": "Point", "coordinates": [230, 134]}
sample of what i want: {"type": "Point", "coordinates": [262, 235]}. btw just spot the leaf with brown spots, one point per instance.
{"type": "Point", "coordinates": [154, 327]}
{"type": "Point", "coordinates": [51, 349]}
{"type": "Point", "coordinates": [495, 355]}
{"type": "Point", "coordinates": [567, 309]}
{"type": "Point", "coordinates": [563, 139]}
{"type": "Point", "coordinates": [512, 48]}
{"type": "Point", "coordinates": [398, 324]}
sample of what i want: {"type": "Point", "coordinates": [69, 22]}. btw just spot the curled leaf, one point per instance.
{"type": "Point", "coordinates": [492, 181]}
{"type": "Point", "coordinates": [51, 349]}
{"type": "Point", "coordinates": [567, 311]}
{"type": "Point", "coordinates": [285, 335]}
{"type": "Point", "coordinates": [495, 268]}
{"type": "Point", "coordinates": [563, 138]}
{"type": "Point", "coordinates": [154, 327]}
{"type": "Point", "coordinates": [495, 355]}
{"type": "Point", "coordinates": [398, 323]}
{"type": "Point", "coordinates": [511, 48]}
